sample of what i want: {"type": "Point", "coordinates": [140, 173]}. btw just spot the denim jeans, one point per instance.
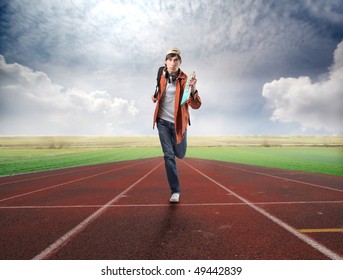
{"type": "Point", "coordinates": [166, 132]}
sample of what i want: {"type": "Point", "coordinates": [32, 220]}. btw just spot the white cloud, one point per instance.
{"type": "Point", "coordinates": [317, 105]}
{"type": "Point", "coordinates": [32, 104]}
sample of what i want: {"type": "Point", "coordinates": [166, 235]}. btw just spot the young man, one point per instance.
{"type": "Point", "coordinates": [172, 118]}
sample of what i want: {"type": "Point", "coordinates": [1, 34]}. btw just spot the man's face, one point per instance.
{"type": "Point", "coordinates": [173, 64]}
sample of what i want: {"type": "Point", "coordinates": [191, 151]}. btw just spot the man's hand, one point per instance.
{"type": "Point", "coordinates": [153, 99]}
{"type": "Point", "coordinates": [192, 84]}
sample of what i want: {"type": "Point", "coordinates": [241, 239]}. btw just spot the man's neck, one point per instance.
{"type": "Point", "coordinates": [174, 73]}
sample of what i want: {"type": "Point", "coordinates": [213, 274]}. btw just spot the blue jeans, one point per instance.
{"type": "Point", "coordinates": [166, 132]}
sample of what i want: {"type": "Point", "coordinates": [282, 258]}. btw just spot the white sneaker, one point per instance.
{"type": "Point", "coordinates": [175, 198]}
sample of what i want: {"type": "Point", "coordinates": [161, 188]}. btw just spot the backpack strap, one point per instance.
{"type": "Point", "coordinates": [158, 79]}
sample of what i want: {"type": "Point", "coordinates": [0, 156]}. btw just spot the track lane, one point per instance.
{"type": "Point", "coordinates": [209, 222]}
{"type": "Point", "coordinates": [28, 230]}
{"type": "Point", "coordinates": [256, 189]}
{"type": "Point", "coordinates": [262, 187]}
{"type": "Point", "coordinates": [63, 240]}
{"type": "Point", "coordinates": [151, 228]}
{"type": "Point", "coordinates": [36, 184]}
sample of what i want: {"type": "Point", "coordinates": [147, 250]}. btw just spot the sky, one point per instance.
{"type": "Point", "coordinates": [88, 67]}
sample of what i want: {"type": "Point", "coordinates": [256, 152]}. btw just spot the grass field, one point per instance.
{"type": "Point", "coordinates": [32, 154]}
{"type": "Point", "coordinates": [312, 159]}
{"type": "Point", "coordinates": [15, 161]}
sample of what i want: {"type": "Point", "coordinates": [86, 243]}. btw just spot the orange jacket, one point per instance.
{"type": "Point", "coordinates": [181, 113]}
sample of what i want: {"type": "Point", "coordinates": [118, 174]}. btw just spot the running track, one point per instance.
{"type": "Point", "coordinates": [122, 211]}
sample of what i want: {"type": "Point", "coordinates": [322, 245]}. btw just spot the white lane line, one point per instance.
{"type": "Point", "coordinates": [62, 241]}
{"type": "Point", "coordinates": [181, 204]}
{"type": "Point", "coordinates": [278, 177]}
{"type": "Point", "coordinates": [314, 244]}
{"type": "Point", "coordinates": [66, 183]}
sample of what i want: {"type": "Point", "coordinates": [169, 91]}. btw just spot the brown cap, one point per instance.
{"type": "Point", "coordinates": [174, 51]}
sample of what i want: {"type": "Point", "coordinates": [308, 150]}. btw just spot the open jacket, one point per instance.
{"type": "Point", "coordinates": [181, 113]}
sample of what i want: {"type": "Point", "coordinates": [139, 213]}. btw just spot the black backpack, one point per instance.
{"type": "Point", "coordinates": [159, 74]}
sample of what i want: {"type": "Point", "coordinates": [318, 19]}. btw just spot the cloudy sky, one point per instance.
{"type": "Point", "coordinates": [88, 67]}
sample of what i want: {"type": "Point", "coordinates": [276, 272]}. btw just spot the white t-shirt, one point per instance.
{"type": "Point", "coordinates": [167, 103]}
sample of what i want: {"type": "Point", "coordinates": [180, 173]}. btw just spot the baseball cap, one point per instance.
{"type": "Point", "coordinates": [174, 51]}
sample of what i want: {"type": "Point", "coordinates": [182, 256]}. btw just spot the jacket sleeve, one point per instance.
{"type": "Point", "coordinates": [195, 101]}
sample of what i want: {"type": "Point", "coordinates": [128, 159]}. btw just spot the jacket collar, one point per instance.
{"type": "Point", "coordinates": [181, 75]}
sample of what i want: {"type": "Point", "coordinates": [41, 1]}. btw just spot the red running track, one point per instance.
{"type": "Point", "coordinates": [122, 211]}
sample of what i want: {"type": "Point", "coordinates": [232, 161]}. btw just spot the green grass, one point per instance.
{"type": "Point", "coordinates": [312, 159]}
{"type": "Point", "coordinates": [15, 161]}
